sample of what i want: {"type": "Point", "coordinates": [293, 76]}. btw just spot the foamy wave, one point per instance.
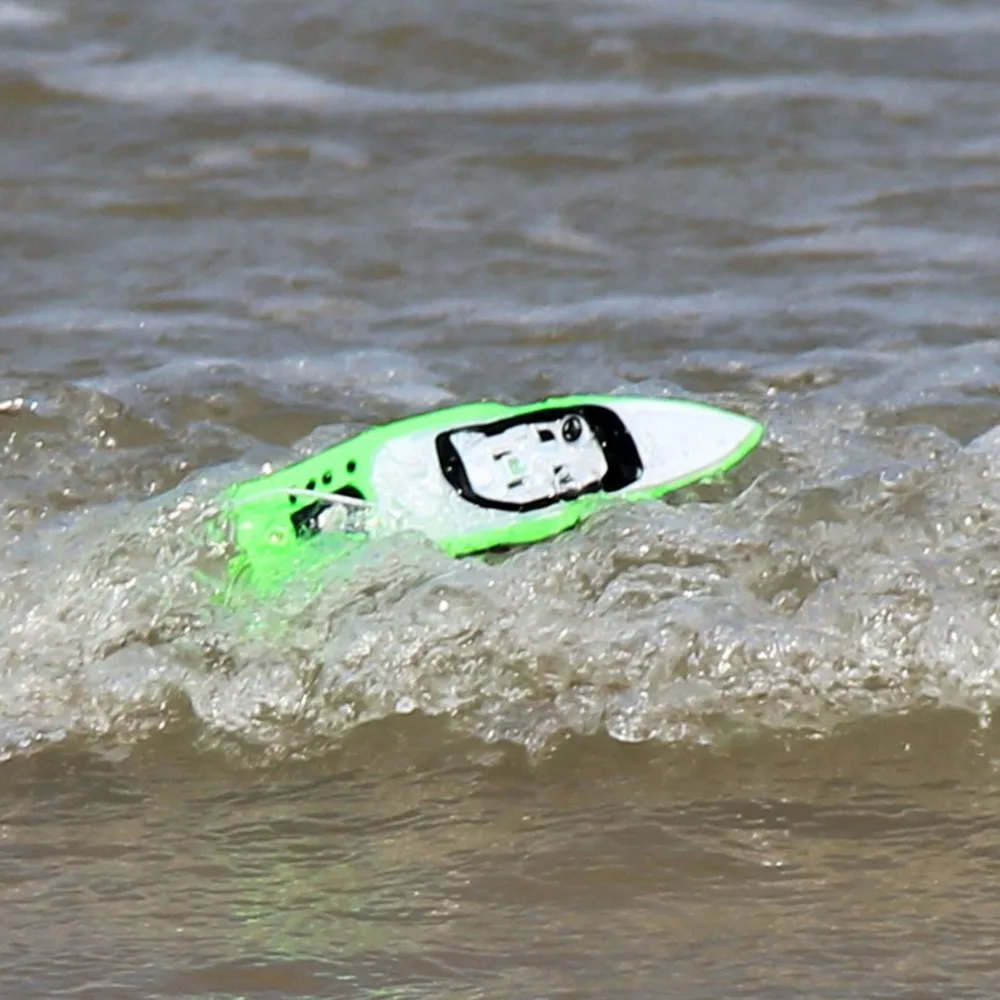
{"type": "Point", "coordinates": [829, 582]}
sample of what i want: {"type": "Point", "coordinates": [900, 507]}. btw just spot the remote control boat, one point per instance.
{"type": "Point", "coordinates": [481, 476]}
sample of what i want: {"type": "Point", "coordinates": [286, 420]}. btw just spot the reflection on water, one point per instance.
{"type": "Point", "coordinates": [413, 862]}
{"type": "Point", "coordinates": [727, 745]}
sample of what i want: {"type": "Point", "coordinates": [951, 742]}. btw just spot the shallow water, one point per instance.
{"type": "Point", "coordinates": [738, 744]}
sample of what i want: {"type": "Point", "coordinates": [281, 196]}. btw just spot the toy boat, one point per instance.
{"type": "Point", "coordinates": [484, 475]}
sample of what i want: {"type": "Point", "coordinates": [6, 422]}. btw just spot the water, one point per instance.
{"type": "Point", "coordinates": [743, 743]}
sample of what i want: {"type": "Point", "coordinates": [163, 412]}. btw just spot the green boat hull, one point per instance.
{"type": "Point", "coordinates": [420, 474]}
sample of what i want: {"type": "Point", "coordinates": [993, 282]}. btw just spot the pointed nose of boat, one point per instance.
{"type": "Point", "coordinates": [677, 439]}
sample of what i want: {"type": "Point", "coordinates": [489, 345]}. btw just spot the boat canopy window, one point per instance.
{"type": "Point", "coordinates": [537, 459]}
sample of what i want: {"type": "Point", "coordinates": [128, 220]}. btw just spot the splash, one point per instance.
{"type": "Point", "coordinates": [801, 595]}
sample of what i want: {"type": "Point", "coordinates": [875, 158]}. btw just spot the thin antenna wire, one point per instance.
{"type": "Point", "coordinates": [335, 498]}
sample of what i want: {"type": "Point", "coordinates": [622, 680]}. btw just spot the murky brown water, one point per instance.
{"type": "Point", "coordinates": [737, 745]}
